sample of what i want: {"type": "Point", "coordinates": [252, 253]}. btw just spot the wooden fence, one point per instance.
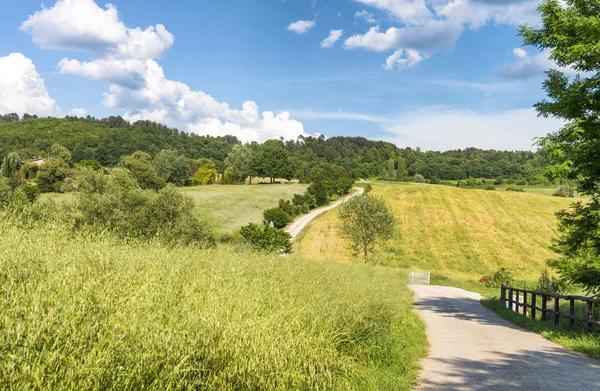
{"type": "Point", "coordinates": [522, 299]}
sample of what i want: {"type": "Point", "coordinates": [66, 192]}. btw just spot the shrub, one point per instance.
{"type": "Point", "coordinates": [304, 200]}
{"type": "Point", "coordinates": [418, 178]}
{"type": "Point", "coordinates": [91, 164]}
{"type": "Point", "coordinates": [266, 238]}
{"type": "Point", "coordinates": [279, 217]}
{"type": "Point", "coordinates": [434, 181]}
{"type": "Point", "coordinates": [31, 192]}
{"type": "Point", "coordinates": [521, 182]}
{"type": "Point", "coordinates": [515, 189]}
{"type": "Point", "coordinates": [318, 191]}
{"type": "Point", "coordinates": [564, 191]}
{"type": "Point", "coordinates": [549, 284]}
{"type": "Point", "coordinates": [499, 181]}
{"type": "Point", "coordinates": [287, 207]}
{"type": "Point", "coordinates": [500, 276]}
{"type": "Point", "coordinates": [368, 188]}
{"type": "Point", "coordinates": [491, 188]}
{"type": "Point", "coordinates": [124, 209]}
{"type": "Point", "coordinates": [484, 279]}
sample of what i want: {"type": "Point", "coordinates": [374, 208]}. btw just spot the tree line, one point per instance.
{"type": "Point", "coordinates": [107, 140]}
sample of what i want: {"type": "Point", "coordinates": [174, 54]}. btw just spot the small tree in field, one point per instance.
{"type": "Point", "coordinates": [366, 220]}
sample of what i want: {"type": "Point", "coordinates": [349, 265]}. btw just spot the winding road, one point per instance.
{"type": "Point", "coordinates": [471, 348]}
{"type": "Point", "coordinates": [298, 225]}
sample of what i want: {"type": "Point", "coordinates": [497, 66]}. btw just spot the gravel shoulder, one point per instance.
{"type": "Point", "coordinates": [471, 348]}
{"type": "Point", "coordinates": [298, 225]}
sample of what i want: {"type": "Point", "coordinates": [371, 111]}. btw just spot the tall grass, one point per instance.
{"type": "Point", "coordinates": [79, 314]}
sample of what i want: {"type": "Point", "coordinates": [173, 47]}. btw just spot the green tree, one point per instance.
{"type": "Point", "coordinates": [171, 166]}
{"type": "Point", "coordinates": [276, 163]}
{"type": "Point", "coordinates": [206, 173]}
{"type": "Point", "coordinates": [365, 221]}
{"type": "Point", "coordinates": [570, 33]}
{"type": "Point", "coordinates": [239, 161]}
{"type": "Point", "coordinates": [11, 164]}
{"type": "Point", "coordinates": [59, 152]}
{"type": "Point", "coordinates": [140, 166]}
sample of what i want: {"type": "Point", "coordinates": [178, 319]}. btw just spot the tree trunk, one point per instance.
{"type": "Point", "coordinates": [365, 250]}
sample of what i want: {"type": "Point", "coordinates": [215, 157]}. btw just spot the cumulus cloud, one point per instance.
{"type": "Point", "coordinates": [125, 58]}
{"type": "Point", "coordinates": [427, 26]}
{"type": "Point", "coordinates": [334, 36]}
{"type": "Point", "coordinates": [302, 26]}
{"type": "Point", "coordinates": [402, 59]}
{"type": "Point", "coordinates": [529, 66]}
{"type": "Point", "coordinates": [22, 90]}
{"type": "Point", "coordinates": [78, 112]}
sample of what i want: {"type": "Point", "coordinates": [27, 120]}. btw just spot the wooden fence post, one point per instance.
{"type": "Point", "coordinates": [533, 305]}
{"type": "Point", "coordinates": [590, 316]}
{"type": "Point", "coordinates": [510, 298]}
{"type": "Point", "coordinates": [544, 310]}
{"type": "Point", "coordinates": [572, 313]}
{"type": "Point", "coordinates": [556, 311]}
{"type": "Point", "coordinates": [525, 304]}
{"type": "Point", "coordinates": [503, 294]}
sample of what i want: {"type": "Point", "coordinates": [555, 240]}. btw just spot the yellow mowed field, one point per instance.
{"type": "Point", "coordinates": [456, 232]}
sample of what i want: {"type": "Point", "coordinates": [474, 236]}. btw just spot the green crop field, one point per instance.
{"type": "Point", "coordinates": [460, 233]}
{"type": "Point", "coordinates": [79, 313]}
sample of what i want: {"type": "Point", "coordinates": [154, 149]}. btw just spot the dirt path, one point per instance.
{"type": "Point", "coordinates": [298, 225]}
{"type": "Point", "coordinates": [471, 348]}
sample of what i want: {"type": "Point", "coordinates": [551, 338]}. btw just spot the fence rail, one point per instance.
{"type": "Point", "coordinates": [511, 298]}
{"type": "Point", "coordinates": [423, 278]}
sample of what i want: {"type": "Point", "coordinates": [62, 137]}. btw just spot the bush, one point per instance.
{"type": "Point", "coordinates": [304, 200]}
{"type": "Point", "coordinates": [266, 238]}
{"type": "Point", "coordinates": [548, 283]}
{"type": "Point", "coordinates": [500, 276]}
{"type": "Point", "coordinates": [564, 191]}
{"type": "Point", "coordinates": [318, 191]}
{"type": "Point", "coordinates": [499, 181]}
{"type": "Point", "coordinates": [287, 207]}
{"type": "Point", "coordinates": [521, 182]}
{"type": "Point", "coordinates": [515, 189]}
{"type": "Point", "coordinates": [279, 217]}
{"type": "Point", "coordinates": [124, 209]}
{"type": "Point", "coordinates": [491, 188]}
{"type": "Point", "coordinates": [484, 279]}
{"type": "Point", "coordinates": [368, 188]}
{"type": "Point", "coordinates": [418, 178]}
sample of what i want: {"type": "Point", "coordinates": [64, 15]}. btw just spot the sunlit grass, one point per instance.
{"type": "Point", "coordinates": [461, 233]}
{"type": "Point", "coordinates": [81, 314]}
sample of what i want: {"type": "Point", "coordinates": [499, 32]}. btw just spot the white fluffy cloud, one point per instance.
{"type": "Point", "coordinates": [426, 26]}
{"type": "Point", "coordinates": [126, 59]}
{"type": "Point", "coordinates": [302, 26]}
{"type": "Point", "coordinates": [334, 36]}
{"type": "Point", "coordinates": [403, 59]}
{"type": "Point", "coordinates": [366, 16]}
{"type": "Point", "coordinates": [22, 90]}
{"type": "Point", "coordinates": [78, 112]}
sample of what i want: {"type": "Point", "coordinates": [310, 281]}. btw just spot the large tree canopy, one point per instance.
{"type": "Point", "coordinates": [571, 33]}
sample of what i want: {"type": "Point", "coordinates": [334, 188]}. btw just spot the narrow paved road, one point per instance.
{"type": "Point", "coordinates": [298, 225]}
{"type": "Point", "coordinates": [471, 348]}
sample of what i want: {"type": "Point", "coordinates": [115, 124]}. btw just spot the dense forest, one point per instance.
{"type": "Point", "coordinates": [107, 140]}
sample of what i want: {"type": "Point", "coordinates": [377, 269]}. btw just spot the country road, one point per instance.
{"type": "Point", "coordinates": [298, 225]}
{"type": "Point", "coordinates": [471, 348]}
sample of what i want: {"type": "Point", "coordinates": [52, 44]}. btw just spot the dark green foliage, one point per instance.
{"type": "Point", "coordinates": [32, 193]}
{"type": "Point", "coordinates": [500, 276]}
{"type": "Point", "coordinates": [499, 181]}
{"type": "Point", "coordinates": [569, 32]}
{"type": "Point", "coordinates": [90, 164]}
{"type": "Point", "coordinates": [515, 189]}
{"type": "Point", "coordinates": [120, 206]}
{"type": "Point", "coordinates": [318, 191]}
{"type": "Point", "coordinates": [51, 175]}
{"type": "Point", "coordinates": [11, 165]}
{"type": "Point", "coordinates": [548, 283]}
{"type": "Point", "coordinates": [418, 178]}
{"type": "Point", "coordinates": [304, 200]}
{"type": "Point", "coordinates": [279, 217]}
{"type": "Point", "coordinates": [490, 188]}
{"type": "Point", "coordinates": [171, 166]}
{"type": "Point", "coordinates": [140, 166]}
{"type": "Point", "coordinates": [565, 191]}
{"type": "Point", "coordinates": [288, 207]}
{"type": "Point", "coordinates": [521, 182]}
{"type": "Point", "coordinates": [365, 221]}
{"type": "Point", "coordinates": [368, 188]}
{"type": "Point", "coordinates": [266, 238]}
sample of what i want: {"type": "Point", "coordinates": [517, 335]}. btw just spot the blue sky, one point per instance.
{"type": "Point", "coordinates": [435, 74]}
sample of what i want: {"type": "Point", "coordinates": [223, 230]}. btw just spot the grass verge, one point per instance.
{"type": "Point", "coordinates": [77, 313]}
{"type": "Point", "coordinates": [578, 341]}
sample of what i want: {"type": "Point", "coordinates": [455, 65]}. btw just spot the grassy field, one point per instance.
{"type": "Point", "coordinates": [227, 208]}
{"type": "Point", "coordinates": [80, 314]}
{"type": "Point", "coordinates": [458, 233]}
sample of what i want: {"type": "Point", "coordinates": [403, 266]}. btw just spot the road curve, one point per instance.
{"type": "Point", "coordinates": [471, 348]}
{"type": "Point", "coordinates": [298, 225]}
